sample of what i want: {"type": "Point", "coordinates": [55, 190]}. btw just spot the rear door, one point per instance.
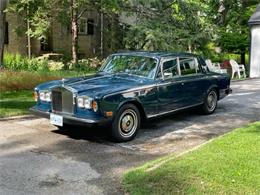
{"type": "Point", "coordinates": [194, 81]}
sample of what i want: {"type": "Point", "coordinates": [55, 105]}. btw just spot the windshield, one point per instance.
{"type": "Point", "coordinates": [136, 65]}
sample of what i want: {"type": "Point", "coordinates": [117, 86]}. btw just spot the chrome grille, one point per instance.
{"type": "Point", "coordinates": [57, 101]}
{"type": "Point", "coordinates": [62, 100]}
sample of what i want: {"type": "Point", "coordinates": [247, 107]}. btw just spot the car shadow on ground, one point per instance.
{"type": "Point", "coordinates": [93, 134]}
{"type": "Point", "coordinates": [101, 134]}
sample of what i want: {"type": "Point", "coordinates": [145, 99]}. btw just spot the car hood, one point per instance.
{"type": "Point", "coordinates": [98, 85]}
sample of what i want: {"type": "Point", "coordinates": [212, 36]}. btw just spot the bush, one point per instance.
{"type": "Point", "coordinates": [53, 66]}
{"type": "Point", "coordinates": [86, 65]}
{"type": "Point", "coordinates": [49, 62]}
{"type": "Point", "coordinates": [18, 62]}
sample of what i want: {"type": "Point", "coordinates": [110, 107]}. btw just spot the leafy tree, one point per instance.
{"type": "Point", "coordinates": [40, 13]}
{"type": "Point", "coordinates": [37, 14]}
{"type": "Point", "coordinates": [231, 17]}
{"type": "Point", "coordinates": [170, 25]}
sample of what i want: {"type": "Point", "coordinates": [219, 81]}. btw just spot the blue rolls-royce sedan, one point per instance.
{"type": "Point", "coordinates": [130, 88]}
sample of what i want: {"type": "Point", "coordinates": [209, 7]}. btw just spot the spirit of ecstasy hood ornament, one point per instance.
{"type": "Point", "coordinates": [63, 81]}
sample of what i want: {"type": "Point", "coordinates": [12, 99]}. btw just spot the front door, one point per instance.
{"type": "Point", "coordinates": [170, 86]}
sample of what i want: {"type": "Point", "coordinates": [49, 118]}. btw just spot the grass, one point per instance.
{"type": "Point", "coordinates": [228, 165]}
{"type": "Point", "coordinates": [15, 103]}
{"type": "Point", "coordinates": [16, 88]}
{"type": "Point", "coordinates": [24, 80]}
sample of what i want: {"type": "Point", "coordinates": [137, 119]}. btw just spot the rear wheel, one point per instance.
{"type": "Point", "coordinates": [126, 123]}
{"type": "Point", "coordinates": [210, 102]}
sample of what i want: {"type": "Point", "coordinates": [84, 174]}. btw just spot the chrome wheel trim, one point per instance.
{"type": "Point", "coordinates": [128, 123]}
{"type": "Point", "coordinates": [212, 101]}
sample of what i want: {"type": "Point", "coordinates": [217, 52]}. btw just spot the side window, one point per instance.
{"type": "Point", "coordinates": [169, 69]}
{"type": "Point", "coordinates": [189, 66]}
{"type": "Point", "coordinates": [203, 64]}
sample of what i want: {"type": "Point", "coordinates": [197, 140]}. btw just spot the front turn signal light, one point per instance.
{"type": "Point", "coordinates": [109, 114]}
{"type": "Point", "coordinates": [35, 96]}
{"type": "Point", "coordinates": [94, 105]}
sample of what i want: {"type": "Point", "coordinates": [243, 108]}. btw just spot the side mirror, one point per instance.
{"type": "Point", "coordinates": [167, 75]}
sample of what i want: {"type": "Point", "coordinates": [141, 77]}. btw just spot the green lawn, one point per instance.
{"type": "Point", "coordinates": [15, 102]}
{"type": "Point", "coordinates": [16, 88]}
{"type": "Point", "coordinates": [228, 165]}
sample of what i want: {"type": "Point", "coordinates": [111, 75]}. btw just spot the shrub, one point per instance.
{"type": "Point", "coordinates": [86, 65]}
{"type": "Point", "coordinates": [52, 65]}
{"type": "Point", "coordinates": [18, 62]}
{"type": "Point", "coordinates": [49, 62]}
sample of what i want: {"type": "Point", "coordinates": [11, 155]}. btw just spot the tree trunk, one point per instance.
{"type": "Point", "coordinates": [243, 57]}
{"type": "Point", "coordinates": [2, 30]}
{"type": "Point", "coordinates": [28, 35]}
{"type": "Point", "coordinates": [74, 30]}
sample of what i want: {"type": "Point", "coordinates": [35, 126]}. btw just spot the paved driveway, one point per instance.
{"type": "Point", "coordinates": [36, 158]}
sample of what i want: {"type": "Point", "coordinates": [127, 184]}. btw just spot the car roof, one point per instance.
{"type": "Point", "coordinates": [156, 54]}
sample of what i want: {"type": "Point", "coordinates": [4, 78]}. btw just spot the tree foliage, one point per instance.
{"type": "Point", "coordinates": [190, 25]}
{"type": "Point", "coordinates": [170, 25]}
{"type": "Point", "coordinates": [231, 17]}
{"type": "Point", "coordinates": [37, 12]}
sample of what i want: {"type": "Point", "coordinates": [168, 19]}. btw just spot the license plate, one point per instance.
{"type": "Point", "coordinates": [56, 120]}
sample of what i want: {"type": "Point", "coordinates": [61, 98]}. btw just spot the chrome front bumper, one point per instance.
{"type": "Point", "coordinates": [68, 119]}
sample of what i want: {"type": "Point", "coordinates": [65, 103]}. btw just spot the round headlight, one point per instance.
{"type": "Point", "coordinates": [48, 96]}
{"type": "Point", "coordinates": [42, 96]}
{"type": "Point", "coordinates": [45, 96]}
{"type": "Point", "coordinates": [87, 103]}
{"type": "Point", "coordinates": [80, 102]}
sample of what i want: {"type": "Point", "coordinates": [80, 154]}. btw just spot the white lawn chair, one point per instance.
{"type": "Point", "coordinates": [237, 68]}
{"type": "Point", "coordinates": [215, 67]}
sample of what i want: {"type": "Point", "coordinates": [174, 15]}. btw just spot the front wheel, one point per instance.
{"type": "Point", "coordinates": [210, 102]}
{"type": "Point", "coordinates": [126, 123]}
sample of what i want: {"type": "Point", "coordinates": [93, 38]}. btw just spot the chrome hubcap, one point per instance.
{"type": "Point", "coordinates": [212, 100]}
{"type": "Point", "coordinates": [128, 123]}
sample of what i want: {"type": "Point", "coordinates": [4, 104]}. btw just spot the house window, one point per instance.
{"type": "Point", "coordinates": [6, 33]}
{"type": "Point", "coordinates": [90, 27]}
{"type": "Point", "coordinates": [86, 26]}
{"type": "Point", "coordinates": [82, 26]}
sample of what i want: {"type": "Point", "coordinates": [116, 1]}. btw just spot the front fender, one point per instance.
{"type": "Point", "coordinates": [115, 102]}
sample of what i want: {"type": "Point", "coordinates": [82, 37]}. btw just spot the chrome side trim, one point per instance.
{"type": "Point", "coordinates": [172, 111]}
{"type": "Point", "coordinates": [130, 90]}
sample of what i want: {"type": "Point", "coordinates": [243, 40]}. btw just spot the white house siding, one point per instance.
{"type": "Point", "coordinates": [255, 52]}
